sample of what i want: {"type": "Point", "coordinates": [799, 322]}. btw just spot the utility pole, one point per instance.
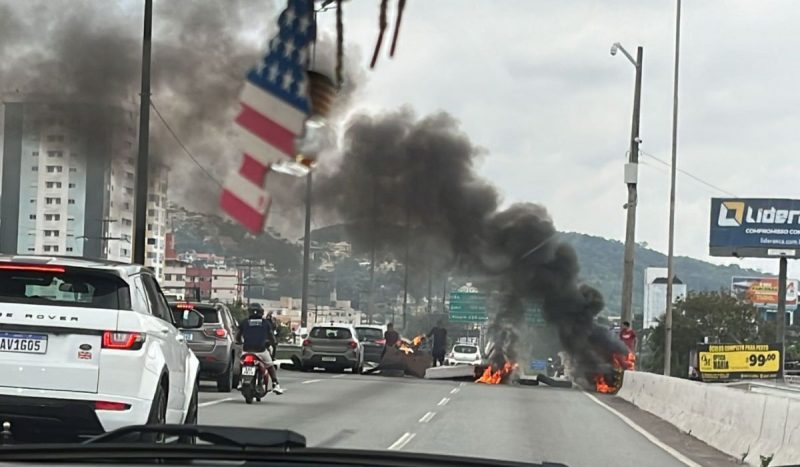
{"type": "Point", "coordinates": [444, 294]}
{"type": "Point", "coordinates": [670, 251]}
{"type": "Point", "coordinates": [631, 178]}
{"type": "Point", "coordinates": [142, 163]}
{"type": "Point", "coordinates": [405, 268]}
{"type": "Point", "coordinates": [370, 296]}
{"type": "Point", "coordinates": [780, 316]}
{"type": "Point", "coordinates": [430, 287]}
{"type": "Point", "coordinates": [306, 253]}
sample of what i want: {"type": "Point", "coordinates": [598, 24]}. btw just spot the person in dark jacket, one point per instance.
{"type": "Point", "coordinates": [256, 334]}
{"type": "Point", "coordinates": [439, 334]}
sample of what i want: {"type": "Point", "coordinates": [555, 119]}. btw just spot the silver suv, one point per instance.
{"type": "Point", "coordinates": [214, 344]}
{"type": "Point", "coordinates": [332, 347]}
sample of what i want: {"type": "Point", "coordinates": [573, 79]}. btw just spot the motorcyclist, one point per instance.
{"type": "Point", "coordinates": [256, 334]}
{"type": "Point", "coordinates": [273, 345]}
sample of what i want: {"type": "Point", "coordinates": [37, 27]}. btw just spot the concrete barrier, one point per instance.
{"type": "Point", "coordinates": [743, 424]}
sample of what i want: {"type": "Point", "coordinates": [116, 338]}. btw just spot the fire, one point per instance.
{"type": "Point", "coordinates": [403, 347]}
{"type": "Point", "coordinates": [418, 340]}
{"type": "Point", "coordinates": [601, 386]}
{"type": "Point", "coordinates": [495, 377]}
{"type": "Point", "coordinates": [621, 363]}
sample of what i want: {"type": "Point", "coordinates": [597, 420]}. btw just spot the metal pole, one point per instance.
{"type": "Point", "coordinates": [142, 164]}
{"type": "Point", "coordinates": [306, 253]}
{"type": "Point", "coordinates": [371, 301]}
{"type": "Point", "coordinates": [780, 316]}
{"type": "Point", "coordinates": [430, 287]}
{"type": "Point", "coordinates": [670, 252]}
{"type": "Point", "coordinates": [630, 227]}
{"type": "Point", "coordinates": [444, 294]}
{"type": "Point", "coordinates": [249, 279]}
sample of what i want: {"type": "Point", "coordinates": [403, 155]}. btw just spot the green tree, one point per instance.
{"type": "Point", "coordinates": [715, 315]}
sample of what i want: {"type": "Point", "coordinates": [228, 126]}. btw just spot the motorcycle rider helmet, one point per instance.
{"type": "Point", "coordinates": [255, 310]}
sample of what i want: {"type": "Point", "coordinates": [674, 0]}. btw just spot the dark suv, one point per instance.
{"type": "Point", "coordinates": [214, 344]}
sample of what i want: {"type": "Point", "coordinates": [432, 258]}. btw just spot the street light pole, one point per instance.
{"type": "Point", "coordinates": [142, 163]}
{"type": "Point", "coordinates": [670, 251]}
{"type": "Point", "coordinates": [780, 316]}
{"type": "Point", "coordinates": [306, 253]}
{"type": "Point", "coordinates": [631, 179]}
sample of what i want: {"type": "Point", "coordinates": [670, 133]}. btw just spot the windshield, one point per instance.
{"type": "Point", "coordinates": [58, 286]}
{"type": "Point", "coordinates": [370, 333]}
{"type": "Point", "coordinates": [580, 220]}
{"type": "Point", "coordinates": [210, 315]}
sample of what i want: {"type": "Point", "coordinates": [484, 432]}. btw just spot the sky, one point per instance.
{"type": "Point", "coordinates": [534, 84]}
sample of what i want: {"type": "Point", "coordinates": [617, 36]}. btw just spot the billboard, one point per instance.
{"type": "Point", "coordinates": [755, 227]}
{"type": "Point", "coordinates": [723, 362]}
{"type": "Point", "coordinates": [763, 291]}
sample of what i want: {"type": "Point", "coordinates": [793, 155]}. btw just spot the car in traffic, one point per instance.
{"type": "Point", "coordinates": [214, 344]}
{"type": "Point", "coordinates": [464, 354]}
{"type": "Point", "coordinates": [371, 338]}
{"type": "Point", "coordinates": [332, 347]}
{"type": "Point", "coordinates": [88, 347]}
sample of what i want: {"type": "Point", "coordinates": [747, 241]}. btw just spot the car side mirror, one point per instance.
{"type": "Point", "coordinates": [191, 319]}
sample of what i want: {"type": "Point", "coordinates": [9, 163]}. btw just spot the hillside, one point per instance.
{"type": "Point", "coordinates": [600, 258]}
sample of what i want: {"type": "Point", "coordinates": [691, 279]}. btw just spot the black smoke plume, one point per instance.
{"type": "Point", "coordinates": [398, 172]}
{"type": "Point", "coordinates": [90, 52]}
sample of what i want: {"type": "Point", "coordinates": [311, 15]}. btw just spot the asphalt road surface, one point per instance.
{"type": "Point", "coordinates": [522, 423]}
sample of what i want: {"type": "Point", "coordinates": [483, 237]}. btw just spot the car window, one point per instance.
{"type": "Point", "coordinates": [210, 315]}
{"type": "Point", "coordinates": [63, 287]}
{"type": "Point", "coordinates": [465, 349]}
{"type": "Point", "coordinates": [331, 333]}
{"type": "Point", "coordinates": [369, 333]}
{"type": "Point", "coordinates": [158, 304]}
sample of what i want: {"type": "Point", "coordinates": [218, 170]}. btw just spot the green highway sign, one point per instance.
{"type": "Point", "coordinates": [467, 307]}
{"type": "Point", "coordinates": [534, 315]}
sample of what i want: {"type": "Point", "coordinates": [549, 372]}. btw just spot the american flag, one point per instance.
{"type": "Point", "coordinates": [275, 107]}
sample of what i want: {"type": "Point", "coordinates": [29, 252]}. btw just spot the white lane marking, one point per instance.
{"type": "Point", "coordinates": [339, 376]}
{"type": "Point", "coordinates": [454, 390]}
{"type": "Point", "coordinates": [215, 402]}
{"type": "Point", "coordinates": [444, 401]}
{"type": "Point", "coordinates": [427, 417]}
{"type": "Point", "coordinates": [460, 384]}
{"type": "Point", "coordinates": [311, 381]}
{"type": "Point", "coordinates": [669, 450]}
{"type": "Point", "coordinates": [402, 441]}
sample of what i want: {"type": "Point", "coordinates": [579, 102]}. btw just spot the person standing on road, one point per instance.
{"type": "Point", "coordinates": [391, 337]}
{"type": "Point", "coordinates": [439, 334]}
{"type": "Point", "coordinates": [628, 336]}
{"type": "Point", "coordinates": [274, 343]}
{"type": "Point", "coordinates": [256, 334]}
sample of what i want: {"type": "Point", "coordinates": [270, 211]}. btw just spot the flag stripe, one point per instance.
{"type": "Point", "coordinates": [266, 129]}
{"type": "Point", "coordinates": [253, 170]}
{"type": "Point", "coordinates": [250, 193]}
{"type": "Point", "coordinates": [242, 212]}
{"type": "Point", "coordinates": [258, 149]}
{"type": "Point", "coordinates": [282, 113]}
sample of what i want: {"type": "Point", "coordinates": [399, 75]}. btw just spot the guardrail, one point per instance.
{"type": "Point", "coordinates": [743, 424]}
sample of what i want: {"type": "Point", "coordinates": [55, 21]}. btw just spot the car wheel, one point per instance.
{"type": "Point", "coordinates": [158, 415]}
{"type": "Point", "coordinates": [225, 380]}
{"type": "Point", "coordinates": [305, 367]}
{"type": "Point", "coordinates": [236, 373]}
{"type": "Point", "coordinates": [191, 414]}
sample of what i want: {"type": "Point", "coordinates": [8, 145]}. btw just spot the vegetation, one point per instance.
{"type": "Point", "coordinates": [715, 315]}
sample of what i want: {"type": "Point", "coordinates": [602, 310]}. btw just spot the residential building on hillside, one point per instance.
{"type": "Point", "coordinates": [68, 180]}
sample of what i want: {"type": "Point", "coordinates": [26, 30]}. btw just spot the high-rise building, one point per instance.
{"type": "Point", "coordinates": [68, 181]}
{"type": "Point", "coordinates": [655, 294]}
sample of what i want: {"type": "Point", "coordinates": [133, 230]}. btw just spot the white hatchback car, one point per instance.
{"type": "Point", "coordinates": [464, 354]}
{"type": "Point", "coordinates": [87, 347]}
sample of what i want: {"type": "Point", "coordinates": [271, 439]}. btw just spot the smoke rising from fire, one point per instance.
{"type": "Point", "coordinates": [397, 170]}
{"type": "Point", "coordinates": [91, 52]}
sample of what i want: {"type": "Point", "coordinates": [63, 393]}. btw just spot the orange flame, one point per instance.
{"type": "Point", "coordinates": [403, 347]}
{"type": "Point", "coordinates": [601, 386]}
{"type": "Point", "coordinates": [495, 377]}
{"type": "Point", "coordinates": [418, 340]}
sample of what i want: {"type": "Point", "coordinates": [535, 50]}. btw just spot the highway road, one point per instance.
{"type": "Point", "coordinates": [522, 423]}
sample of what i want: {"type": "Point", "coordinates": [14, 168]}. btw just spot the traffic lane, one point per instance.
{"type": "Point", "coordinates": [209, 395]}
{"type": "Point", "coordinates": [333, 410]}
{"type": "Point", "coordinates": [534, 424]}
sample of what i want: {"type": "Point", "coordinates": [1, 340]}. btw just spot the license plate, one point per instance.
{"type": "Point", "coordinates": [328, 359]}
{"type": "Point", "coordinates": [248, 370]}
{"type": "Point", "coordinates": [188, 336]}
{"type": "Point", "coordinates": [19, 342]}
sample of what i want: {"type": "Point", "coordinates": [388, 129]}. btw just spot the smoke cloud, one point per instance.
{"type": "Point", "coordinates": [397, 170]}
{"type": "Point", "coordinates": [91, 52]}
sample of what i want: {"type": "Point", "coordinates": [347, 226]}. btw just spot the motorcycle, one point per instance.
{"type": "Point", "coordinates": [252, 377]}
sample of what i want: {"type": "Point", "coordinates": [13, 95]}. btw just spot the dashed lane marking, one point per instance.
{"type": "Point", "coordinates": [427, 417]}
{"type": "Point", "coordinates": [454, 390]}
{"type": "Point", "coordinates": [309, 381]}
{"type": "Point", "coordinates": [339, 376]}
{"type": "Point", "coordinates": [215, 402]}
{"type": "Point", "coordinates": [444, 401]}
{"type": "Point", "coordinates": [402, 441]}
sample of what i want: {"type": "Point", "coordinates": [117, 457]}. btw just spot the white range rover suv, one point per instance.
{"type": "Point", "coordinates": [88, 347]}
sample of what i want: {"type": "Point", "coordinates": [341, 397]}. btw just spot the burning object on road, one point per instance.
{"type": "Point", "coordinates": [407, 358]}
{"type": "Point", "coordinates": [611, 382]}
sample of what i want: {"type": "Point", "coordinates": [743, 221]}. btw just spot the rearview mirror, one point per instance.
{"type": "Point", "coordinates": [191, 319]}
